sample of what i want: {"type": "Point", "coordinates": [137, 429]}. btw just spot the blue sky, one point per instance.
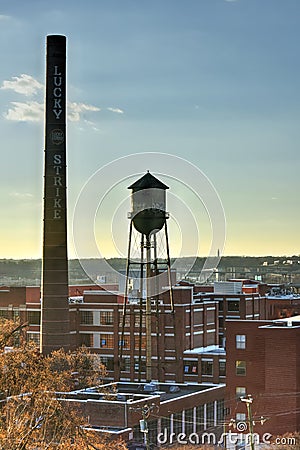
{"type": "Point", "coordinates": [215, 82]}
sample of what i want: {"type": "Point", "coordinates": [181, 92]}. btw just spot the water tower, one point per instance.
{"type": "Point", "coordinates": [148, 205]}
{"type": "Point", "coordinates": [148, 217]}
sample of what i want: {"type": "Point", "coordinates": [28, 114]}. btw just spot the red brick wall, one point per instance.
{"type": "Point", "coordinates": [14, 296]}
{"type": "Point", "coordinates": [273, 374]}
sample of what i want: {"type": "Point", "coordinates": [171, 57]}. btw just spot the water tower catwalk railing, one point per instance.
{"type": "Point", "coordinates": [148, 217]}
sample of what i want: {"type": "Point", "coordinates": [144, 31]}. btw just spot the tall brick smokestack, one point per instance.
{"type": "Point", "coordinates": [55, 331]}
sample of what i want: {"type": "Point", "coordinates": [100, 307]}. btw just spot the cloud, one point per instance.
{"type": "Point", "coordinates": [4, 17]}
{"type": "Point", "coordinates": [24, 84]}
{"type": "Point", "coordinates": [75, 110]}
{"type": "Point", "coordinates": [25, 112]}
{"type": "Point", "coordinates": [116, 110]}
{"type": "Point", "coordinates": [92, 125]}
{"type": "Point", "coordinates": [21, 195]}
{"type": "Point", "coordinates": [32, 111]}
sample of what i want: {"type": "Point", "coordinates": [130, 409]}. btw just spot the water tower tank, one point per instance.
{"type": "Point", "coordinates": [148, 204]}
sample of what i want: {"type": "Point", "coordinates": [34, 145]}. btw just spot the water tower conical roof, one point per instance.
{"type": "Point", "coordinates": [148, 181]}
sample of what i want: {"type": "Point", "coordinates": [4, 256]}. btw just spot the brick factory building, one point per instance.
{"type": "Point", "coordinates": [189, 342]}
{"type": "Point", "coordinates": [188, 349]}
{"type": "Point", "coordinates": [95, 321]}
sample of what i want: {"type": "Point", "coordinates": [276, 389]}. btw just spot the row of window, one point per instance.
{"type": "Point", "coordinates": [137, 320]}
{"type": "Point", "coordinates": [107, 341]}
{"type": "Point", "coordinates": [88, 318]}
{"type": "Point", "coordinates": [89, 340]}
{"type": "Point", "coordinates": [8, 314]}
{"type": "Point", "coordinates": [207, 369]}
{"type": "Point", "coordinates": [190, 367]}
{"type": "Point", "coordinates": [108, 361]}
{"type": "Point", "coordinates": [33, 317]}
{"type": "Point", "coordinates": [106, 318]}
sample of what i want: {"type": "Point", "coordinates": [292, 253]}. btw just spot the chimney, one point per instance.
{"type": "Point", "coordinates": [55, 333]}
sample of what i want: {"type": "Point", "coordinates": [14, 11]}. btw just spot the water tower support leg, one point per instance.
{"type": "Point", "coordinates": [148, 312]}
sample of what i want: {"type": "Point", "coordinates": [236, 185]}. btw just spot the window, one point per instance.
{"type": "Point", "coordinates": [190, 367]}
{"type": "Point", "coordinates": [86, 339]}
{"type": "Point", "coordinates": [16, 314]}
{"type": "Point", "coordinates": [233, 305]}
{"type": "Point", "coordinates": [106, 317]}
{"type": "Point", "coordinates": [108, 362]}
{"type": "Point", "coordinates": [240, 367]}
{"type": "Point", "coordinates": [222, 368]}
{"type": "Point", "coordinates": [200, 418]}
{"type": "Point", "coordinates": [220, 304]}
{"type": "Point", "coordinates": [125, 343]}
{"type": "Point", "coordinates": [210, 414]}
{"type": "Point", "coordinates": [240, 417]}
{"type": "Point", "coordinates": [106, 340]}
{"type": "Point", "coordinates": [177, 423]}
{"type": "Point", "coordinates": [240, 392]}
{"type": "Point", "coordinates": [240, 340]}
{"type": "Point", "coordinates": [207, 367]}
{"type": "Point", "coordinates": [127, 319]}
{"type": "Point", "coordinates": [137, 341]}
{"type": "Point", "coordinates": [33, 337]}
{"type": "Point", "coordinates": [220, 411]}
{"type": "Point", "coordinates": [4, 313]}
{"type": "Point", "coordinates": [137, 365]}
{"type": "Point", "coordinates": [189, 421]}
{"type": "Point", "coordinates": [137, 319]}
{"type": "Point", "coordinates": [34, 317]}
{"type": "Point", "coordinates": [125, 365]}
{"type": "Point", "coordinates": [86, 318]}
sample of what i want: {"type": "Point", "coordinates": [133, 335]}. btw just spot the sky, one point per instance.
{"type": "Point", "coordinates": [209, 84]}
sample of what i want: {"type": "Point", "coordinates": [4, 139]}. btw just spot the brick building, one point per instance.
{"type": "Point", "coordinates": [185, 344]}
{"type": "Point", "coordinates": [170, 410]}
{"type": "Point", "coordinates": [282, 305]}
{"type": "Point", "coordinates": [263, 360]}
{"type": "Point", "coordinates": [183, 357]}
{"type": "Point", "coordinates": [237, 299]}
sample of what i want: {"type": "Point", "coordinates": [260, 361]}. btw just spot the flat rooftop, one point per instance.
{"type": "Point", "coordinates": [280, 296]}
{"type": "Point", "coordinates": [209, 350]}
{"type": "Point", "coordinates": [129, 391]}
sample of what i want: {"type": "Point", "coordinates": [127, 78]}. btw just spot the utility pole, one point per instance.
{"type": "Point", "coordinates": [146, 411]}
{"type": "Point", "coordinates": [144, 429]}
{"type": "Point", "coordinates": [249, 400]}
